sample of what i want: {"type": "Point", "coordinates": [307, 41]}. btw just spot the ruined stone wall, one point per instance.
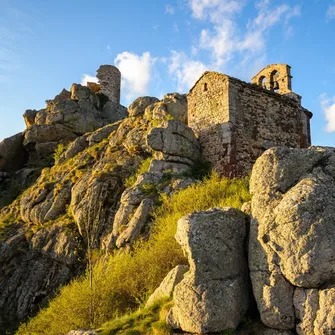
{"type": "Point", "coordinates": [263, 119]}
{"type": "Point", "coordinates": [110, 82]}
{"type": "Point", "coordinates": [208, 116]}
{"type": "Point", "coordinates": [236, 121]}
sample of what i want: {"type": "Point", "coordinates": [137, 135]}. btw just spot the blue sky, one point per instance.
{"type": "Point", "coordinates": [163, 46]}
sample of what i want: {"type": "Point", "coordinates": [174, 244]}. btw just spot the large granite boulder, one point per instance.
{"type": "Point", "coordinates": [140, 104]}
{"type": "Point", "coordinates": [213, 296]}
{"type": "Point", "coordinates": [292, 233]}
{"type": "Point", "coordinates": [166, 288]}
{"type": "Point", "coordinates": [176, 139]}
{"type": "Point", "coordinates": [176, 105]}
{"type": "Point", "coordinates": [12, 153]}
{"type": "Point", "coordinates": [315, 309]}
{"type": "Point", "coordinates": [29, 117]}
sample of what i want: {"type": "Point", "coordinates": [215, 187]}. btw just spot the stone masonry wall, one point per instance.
{"type": "Point", "coordinates": [208, 116]}
{"type": "Point", "coordinates": [263, 119]}
{"type": "Point", "coordinates": [110, 82]}
{"type": "Point", "coordinates": [236, 122]}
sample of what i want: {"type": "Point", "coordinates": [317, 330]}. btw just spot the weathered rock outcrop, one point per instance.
{"type": "Point", "coordinates": [166, 288]}
{"type": "Point", "coordinates": [292, 237]}
{"type": "Point", "coordinates": [175, 139]}
{"type": "Point", "coordinates": [81, 199]}
{"type": "Point", "coordinates": [35, 267]}
{"type": "Point", "coordinates": [315, 309]}
{"type": "Point", "coordinates": [69, 115]}
{"type": "Point", "coordinates": [12, 153]}
{"type": "Point", "coordinates": [140, 104]}
{"type": "Point", "coordinates": [213, 296]}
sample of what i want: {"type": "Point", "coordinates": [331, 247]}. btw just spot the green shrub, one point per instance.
{"type": "Point", "coordinates": [122, 282]}
{"type": "Point", "coordinates": [58, 151]}
{"type": "Point", "coordinates": [144, 167]}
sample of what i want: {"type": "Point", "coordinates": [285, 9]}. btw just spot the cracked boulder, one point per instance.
{"type": "Point", "coordinates": [213, 296]}
{"type": "Point", "coordinates": [140, 104]}
{"type": "Point", "coordinates": [292, 234]}
{"type": "Point", "coordinates": [174, 139]}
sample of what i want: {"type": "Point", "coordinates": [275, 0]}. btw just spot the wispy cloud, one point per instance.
{"type": "Point", "coordinates": [328, 106]}
{"type": "Point", "coordinates": [169, 10]}
{"type": "Point", "coordinates": [136, 73]}
{"type": "Point", "coordinates": [185, 70]}
{"type": "Point", "coordinates": [330, 14]}
{"type": "Point", "coordinates": [226, 41]}
{"type": "Point", "coordinates": [88, 78]}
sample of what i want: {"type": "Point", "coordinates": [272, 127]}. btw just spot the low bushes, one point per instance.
{"type": "Point", "coordinates": [123, 280]}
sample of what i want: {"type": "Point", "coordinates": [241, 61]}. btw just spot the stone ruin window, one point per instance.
{"type": "Point", "coordinates": [205, 87]}
{"type": "Point", "coordinates": [263, 82]}
{"type": "Point", "coordinates": [274, 81]}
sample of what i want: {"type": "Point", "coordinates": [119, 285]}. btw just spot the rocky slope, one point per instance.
{"type": "Point", "coordinates": [87, 174]}
{"type": "Point", "coordinates": [80, 201]}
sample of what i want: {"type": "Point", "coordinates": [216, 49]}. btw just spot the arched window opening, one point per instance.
{"type": "Point", "coordinates": [205, 87]}
{"type": "Point", "coordinates": [274, 81]}
{"type": "Point", "coordinates": [263, 82]}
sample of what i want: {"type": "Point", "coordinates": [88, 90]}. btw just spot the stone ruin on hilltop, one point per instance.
{"type": "Point", "coordinates": [236, 121]}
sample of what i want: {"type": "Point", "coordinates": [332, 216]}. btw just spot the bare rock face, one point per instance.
{"type": "Point", "coordinates": [165, 289]}
{"type": "Point", "coordinates": [12, 153]}
{"type": "Point", "coordinates": [140, 104]}
{"type": "Point", "coordinates": [35, 268]}
{"type": "Point", "coordinates": [315, 310]}
{"type": "Point", "coordinates": [69, 115]}
{"type": "Point", "coordinates": [213, 296]}
{"type": "Point", "coordinates": [29, 117]}
{"type": "Point", "coordinates": [114, 112]}
{"type": "Point", "coordinates": [175, 139]}
{"type": "Point", "coordinates": [292, 233]}
{"type": "Point", "coordinates": [176, 105]}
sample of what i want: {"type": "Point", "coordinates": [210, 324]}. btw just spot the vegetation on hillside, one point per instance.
{"type": "Point", "coordinates": [124, 280]}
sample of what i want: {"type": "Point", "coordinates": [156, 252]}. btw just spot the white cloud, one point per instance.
{"type": "Point", "coordinates": [135, 72]}
{"type": "Point", "coordinates": [185, 71]}
{"type": "Point", "coordinates": [328, 106]}
{"type": "Point", "coordinates": [330, 12]}
{"type": "Point", "coordinates": [226, 40]}
{"type": "Point", "coordinates": [169, 10]}
{"type": "Point", "coordinates": [87, 78]}
{"type": "Point", "coordinates": [215, 10]}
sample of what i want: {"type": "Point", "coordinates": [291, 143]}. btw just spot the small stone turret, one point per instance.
{"type": "Point", "coordinates": [110, 82]}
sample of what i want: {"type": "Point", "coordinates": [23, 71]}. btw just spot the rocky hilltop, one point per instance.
{"type": "Point", "coordinates": [92, 191]}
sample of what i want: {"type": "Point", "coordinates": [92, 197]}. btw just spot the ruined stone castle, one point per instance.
{"type": "Point", "coordinates": [237, 121]}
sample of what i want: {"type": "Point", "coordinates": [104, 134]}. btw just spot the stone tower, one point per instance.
{"type": "Point", "coordinates": [110, 82]}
